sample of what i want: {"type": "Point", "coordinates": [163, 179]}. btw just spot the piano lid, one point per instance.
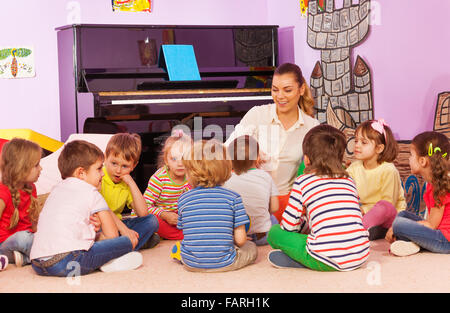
{"type": "Point", "coordinates": [125, 57]}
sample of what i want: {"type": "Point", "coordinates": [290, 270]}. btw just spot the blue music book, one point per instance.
{"type": "Point", "coordinates": [179, 61]}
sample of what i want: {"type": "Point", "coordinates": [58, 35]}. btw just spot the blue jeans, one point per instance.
{"type": "Point", "coordinates": [145, 226]}
{"type": "Point", "coordinates": [20, 241]}
{"type": "Point", "coordinates": [406, 228]}
{"type": "Point", "coordinates": [81, 262]}
{"type": "Point", "coordinates": [263, 241]}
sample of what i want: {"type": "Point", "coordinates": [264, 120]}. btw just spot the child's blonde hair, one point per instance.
{"type": "Point", "coordinates": [207, 164]}
{"type": "Point", "coordinates": [19, 156]}
{"type": "Point", "coordinates": [178, 140]}
{"type": "Point", "coordinates": [436, 148]}
{"type": "Point", "coordinates": [325, 146]}
{"type": "Point", "coordinates": [385, 137]}
{"type": "Point", "coordinates": [78, 153]}
{"type": "Point", "coordinates": [127, 145]}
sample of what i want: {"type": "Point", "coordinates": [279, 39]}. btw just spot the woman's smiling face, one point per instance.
{"type": "Point", "coordinates": [286, 92]}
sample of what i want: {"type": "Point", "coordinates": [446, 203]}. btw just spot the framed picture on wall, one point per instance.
{"type": "Point", "coordinates": [17, 62]}
{"type": "Point", "coordinates": [132, 5]}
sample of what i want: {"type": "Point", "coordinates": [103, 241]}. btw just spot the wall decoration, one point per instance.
{"type": "Point", "coordinates": [16, 62]}
{"type": "Point", "coordinates": [304, 7]}
{"type": "Point", "coordinates": [442, 114]}
{"type": "Point", "coordinates": [132, 5]}
{"type": "Point", "coordinates": [343, 99]}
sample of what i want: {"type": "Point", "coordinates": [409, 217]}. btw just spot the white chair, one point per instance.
{"type": "Point", "coordinates": [50, 174]}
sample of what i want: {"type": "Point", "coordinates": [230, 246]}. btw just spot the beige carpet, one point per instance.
{"type": "Point", "coordinates": [423, 272]}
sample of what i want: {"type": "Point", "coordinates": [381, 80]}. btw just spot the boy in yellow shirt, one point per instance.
{"type": "Point", "coordinates": [119, 189]}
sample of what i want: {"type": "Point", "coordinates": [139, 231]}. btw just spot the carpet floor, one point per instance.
{"type": "Point", "coordinates": [423, 272]}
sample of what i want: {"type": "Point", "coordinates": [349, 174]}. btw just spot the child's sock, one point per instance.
{"type": "Point", "coordinates": [404, 248]}
{"type": "Point", "coordinates": [152, 241]}
{"type": "Point", "coordinates": [3, 262]}
{"type": "Point", "coordinates": [126, 262]}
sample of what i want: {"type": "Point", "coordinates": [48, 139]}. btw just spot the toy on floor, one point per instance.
{"type": "Point", "coordinates": [175, 253]}
{"type": "Point", "coordinates": [3, 262]}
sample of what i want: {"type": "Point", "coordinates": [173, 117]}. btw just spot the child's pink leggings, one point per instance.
{"type": "Point", "coordinates": [381, 214]}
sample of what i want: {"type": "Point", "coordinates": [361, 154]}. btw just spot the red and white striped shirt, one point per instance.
{"type": "Point", "coordinates": [329, 209]}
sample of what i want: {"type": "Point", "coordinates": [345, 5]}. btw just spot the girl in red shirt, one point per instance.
{"type": "Point", "coordinates": [430, 152]}
{"type": "Point", "coordinates": [19, 209]}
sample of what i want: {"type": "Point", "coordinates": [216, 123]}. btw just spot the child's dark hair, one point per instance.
{"type": "Point", "coordinates": [78, 153]}
{"type": "Point", "coordinates": [325, 145]}
{"type": "Point", "coordinates": [385, 138]}
{"type": "Point", "coordinates": [243, 151]}
{"type": "Point", "coordinates": [436, 147]}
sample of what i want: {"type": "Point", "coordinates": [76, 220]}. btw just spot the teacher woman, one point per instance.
{"type": "Point", "coordinates": [280, 128]}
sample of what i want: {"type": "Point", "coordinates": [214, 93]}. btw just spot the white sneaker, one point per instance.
{"type": "Point", "coordinates": [404, 248]}
{"type": "Point", "coordinates": [18, 258]}
{"type": "Point", "coordinates": [126, 262]}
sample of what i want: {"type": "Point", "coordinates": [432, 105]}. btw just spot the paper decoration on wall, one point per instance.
{"type": "Point", "coordinates": [304, 7]}
{"type": "Point", "coordinates": [16, 62]}
{"type": "Point", "coordinates": [132, 5]}
{"type": "Point", "coordinates": [343, 99]}
{"type": "Point", "coordinates": [442, 114]}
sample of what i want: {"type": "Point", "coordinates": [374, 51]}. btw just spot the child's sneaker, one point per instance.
{"type": "Point", "coordinates": [280, 260]}
{"type": "Point", "coordinates": [3, 262]}
{"type": "Point", "coordinates": [377, 232]}
{"type": "Point", "coordinates": [18, 258]}
{"type": "Point", "coordinates": [404, 248]}
{"type": "Point", "coordinates": [152, 241]}
{"type": "Point", "coordinates": [126, 262]}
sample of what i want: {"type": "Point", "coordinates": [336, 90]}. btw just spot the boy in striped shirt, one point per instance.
{"type": "Point", "coordinates": [212, 218]}
{"type": "Point", "coordinates": [321, 227]}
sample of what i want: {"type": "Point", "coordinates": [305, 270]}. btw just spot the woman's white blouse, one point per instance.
{"type": "Point", "coordinates": [281, 148]}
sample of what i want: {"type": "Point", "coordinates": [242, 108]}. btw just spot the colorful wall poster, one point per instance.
{"type": "Point", "coordinates": [16, 62]}
{"type": "Point", "coordinates": [132, 5]}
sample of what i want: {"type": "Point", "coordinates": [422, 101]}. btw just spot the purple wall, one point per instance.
{"type": "Point", "coordinates": [34, 102]}
{"type": "Point", "coordinates": [407, 51]}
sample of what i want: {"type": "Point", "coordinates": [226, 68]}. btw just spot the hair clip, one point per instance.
{"type": "Point", "coordinates": [178, 133]}
{"type": "Point", "coordinates": [379, 126]}
{"type": "Point", "coordinates": [431, 150]}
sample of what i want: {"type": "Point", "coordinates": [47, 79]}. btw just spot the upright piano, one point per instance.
{"type": "Point", "coordinates": [110, 79]}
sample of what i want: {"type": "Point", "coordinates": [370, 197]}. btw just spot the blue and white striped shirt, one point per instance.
{"type": "Point", "coordinates": [208, 217]}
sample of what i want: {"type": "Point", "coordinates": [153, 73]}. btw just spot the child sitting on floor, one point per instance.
{"type": "Point", "coordinates": [119, 189]}
{"type": "Point", "coordinates": [256, 187]}
{"type": "Point", "coordinates": [19, 209]}
{"type": "Point", "coordinates": [377, 179]}
{"type": "Point", "coordinates": [65, 239]}
{"type": "Point", "coordinates": [212, 218]}
{"type": "Point", "coordinates": [323, 200]}
{"type": "Point", "coordinates": [429, 159]}
{"type": "Point", "coordinates": [168, 184]}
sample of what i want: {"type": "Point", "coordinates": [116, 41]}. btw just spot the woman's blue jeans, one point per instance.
{"type": "Point", "coordinates": [20, 241]}
{"type": "Point", "coordinates": [81, 262]}
{"type": "Point", "coordinates": [406, 228]}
